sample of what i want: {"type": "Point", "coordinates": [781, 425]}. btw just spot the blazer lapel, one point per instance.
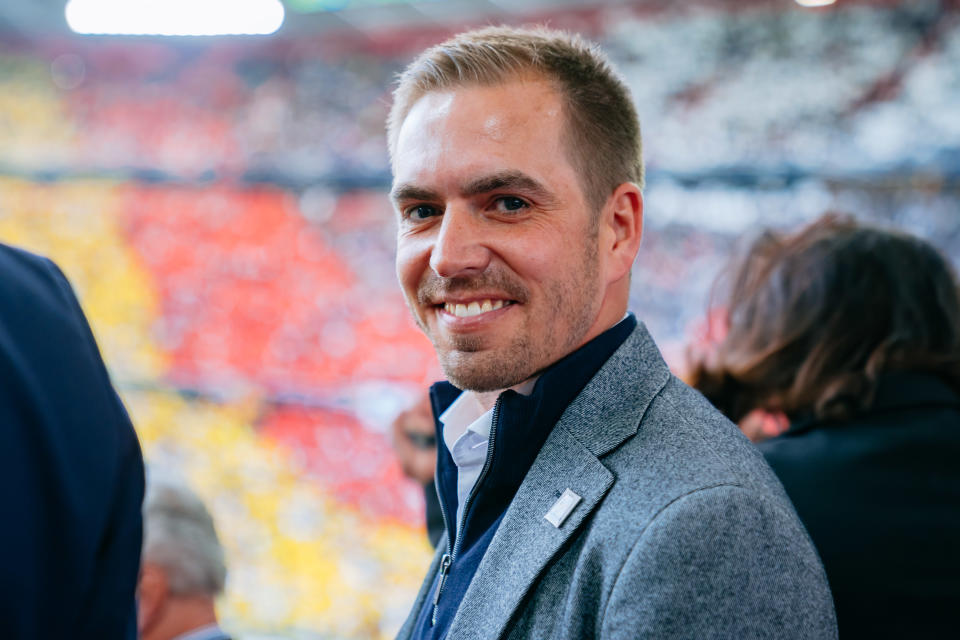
{"type": "Point", "coordinates": [610, 408]}
{"type": "Point", "coordinates": [607, 412]}
{"type": "Point", "coordinates": [525, 541]}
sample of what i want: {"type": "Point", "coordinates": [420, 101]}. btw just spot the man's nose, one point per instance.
{"type": "Point", "coordinates": [460, 248]}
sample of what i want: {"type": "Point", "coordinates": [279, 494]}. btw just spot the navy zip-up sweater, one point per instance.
{"type": "Point", "coordinates": [520, 426]}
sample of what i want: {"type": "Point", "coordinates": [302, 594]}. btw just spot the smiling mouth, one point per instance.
{"type": "Point", "coordinates": [475, 308]}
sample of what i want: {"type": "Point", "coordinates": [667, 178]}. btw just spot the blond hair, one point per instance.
{"type": "Point", "coordinates": [603, 131]}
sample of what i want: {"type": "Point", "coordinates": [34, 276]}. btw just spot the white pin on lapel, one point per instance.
{"type": "Point", "coordinates": [562, 508]}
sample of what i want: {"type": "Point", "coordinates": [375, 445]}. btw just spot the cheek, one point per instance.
{"type": "Point", "coordinates": [548, 260]}
{"type": "Point", "coordinates": [412, 258]}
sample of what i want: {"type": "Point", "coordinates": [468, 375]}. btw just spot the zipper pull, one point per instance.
{"type": "Point", "coordinates": [445, 562]}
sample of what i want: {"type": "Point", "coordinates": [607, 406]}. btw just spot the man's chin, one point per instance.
{"type": "Point", "coordinates": [472, 371]}
{"type": "Point", "coordinates": [455, 347]}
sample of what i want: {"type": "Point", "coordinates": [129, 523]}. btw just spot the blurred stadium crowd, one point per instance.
{"type": "Point", "coordinates": [220, 209]}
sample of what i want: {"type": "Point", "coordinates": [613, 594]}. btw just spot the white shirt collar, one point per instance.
{"type": "Point", "coordinates": [466, 434]}
{"type": "Point", "coordinates": [465, 413]}
{"type": "Point", "coordinates": [460, 416]}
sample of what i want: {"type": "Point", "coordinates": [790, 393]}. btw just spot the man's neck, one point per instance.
{"type": "Point", "coordinates": [489, 398]}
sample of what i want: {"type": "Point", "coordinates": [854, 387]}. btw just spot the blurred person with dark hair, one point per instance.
{"type": "Point", "coordinates": [415, 444]}
{"type": "Point", "coordinates": [849, 336]}
{"type": "Point", "coordinates": [71, 472]}
{"type": "Point", "coordinates": [183, 567]}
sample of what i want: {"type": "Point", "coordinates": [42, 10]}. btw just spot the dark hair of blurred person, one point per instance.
{"type": "Point", "coordinates": [183, 567]}
{"type": "Point", "coordinates": [71, 472]}
{"type": "Point", "coordinates": [851, 335]}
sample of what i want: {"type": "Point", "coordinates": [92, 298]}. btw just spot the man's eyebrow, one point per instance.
{"type": "Point", "coordinates": [506, 180]}
{"type": "Point", "coordinates": [409, 192]}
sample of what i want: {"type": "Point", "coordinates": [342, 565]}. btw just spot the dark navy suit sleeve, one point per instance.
{"type": "Point", "coordinates": [71, 472]}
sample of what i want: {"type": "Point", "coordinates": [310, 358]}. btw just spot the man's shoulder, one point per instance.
{"type": "Point", "coordinates": [31, 281]}
{"type": "Point", "coordinates": [21, 263]}
{"type": "Point", "coordinates": [688, 473]}
{"type": "Point", "coordinates": [693, 529]}
{"type": "Point", "coordinates": [661, 439]}
{"type": "Point", "coordinates": [48, 351]}
{"type": "Point", "coordinates": [10, 254]}
{"type": "Point", "coordinates": [683, 445]}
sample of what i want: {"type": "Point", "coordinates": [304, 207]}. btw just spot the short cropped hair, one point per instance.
{"type": "Point", "coordinates": [602, 132]}
{"type": "Point", "coordinates": [816, 317]}
{"type": "Point", "coordinates": [180, 537]}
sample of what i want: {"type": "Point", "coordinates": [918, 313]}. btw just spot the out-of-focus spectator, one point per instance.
{"type": "Point", "coordinates": [852, 335]}
{"type": "Point", "coordinates": [71, 473]}
{"type": "Point", "coordinates": [415, 443]}
{"type": "Point", "coordinates": [183, 567]}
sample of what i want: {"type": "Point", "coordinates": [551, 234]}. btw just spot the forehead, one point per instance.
{"type": "Point", "coordinates": [516, 125]}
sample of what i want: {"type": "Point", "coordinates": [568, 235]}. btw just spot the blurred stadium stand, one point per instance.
{"type": "Point", "coordinates": [219, 205]}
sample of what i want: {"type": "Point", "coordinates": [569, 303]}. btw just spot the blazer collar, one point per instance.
{"type": "Point", "coordinates": [609, 409]}
{"type": "Point", "coordinates": [607, 412]}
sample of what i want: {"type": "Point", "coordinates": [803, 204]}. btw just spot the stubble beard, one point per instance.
{"type": "Point", "coordinates": [469, 365]}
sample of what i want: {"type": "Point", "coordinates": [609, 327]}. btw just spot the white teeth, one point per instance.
{"type": "Point", "coordinates": [472, 309]}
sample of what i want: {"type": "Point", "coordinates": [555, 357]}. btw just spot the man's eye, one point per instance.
{"type": "Point", "coordinates": [510, 203]}
{"type": "Point", "coordinates": [421, 212]}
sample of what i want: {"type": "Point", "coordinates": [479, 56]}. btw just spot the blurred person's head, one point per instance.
{"type": "Point", "coordinates": [815, 318]}
{"type": "Point", "coordinates": [182, 569]}
{"type": "Point", "coordinates": [517, 173]}
{"type": "Point", "coordinates": [415, 440]}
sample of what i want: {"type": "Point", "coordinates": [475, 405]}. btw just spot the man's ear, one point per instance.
{"type": "Point", "coordinates": [623, 218]}
{"type": "Point", "coordinates": [152, 592]}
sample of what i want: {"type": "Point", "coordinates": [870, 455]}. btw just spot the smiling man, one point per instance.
{"type": "Point", "coordinates": [586, 492]}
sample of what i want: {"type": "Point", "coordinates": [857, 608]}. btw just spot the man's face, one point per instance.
{"type": "Point", "coordinates": [497, 249]}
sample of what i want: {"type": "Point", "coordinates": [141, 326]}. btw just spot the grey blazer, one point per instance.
{"type": "Point", "coordinates": [682, 531]}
